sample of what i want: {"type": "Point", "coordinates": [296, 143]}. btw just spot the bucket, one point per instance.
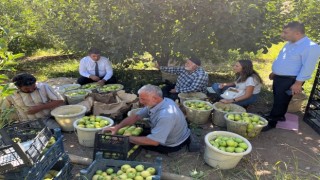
{"type": "Point", "coordinates": [197, 116]}
{"type": "Point", "coordinates": [220, 159]}
{"type": "Point", "coordinates": [192, 95]}
{"type": "Point", "coordinates": [86, 136]}
{"type": "Point", "coordinates": [66, 115]}
{"type": "Point", "coordinates": [296, 102]}
{"type": "Point", "coordinates": [74, 99]}
{"type": "Point", "coordinates": [241, 128]}
{"type": "Point", "coordinates": [220, 109]}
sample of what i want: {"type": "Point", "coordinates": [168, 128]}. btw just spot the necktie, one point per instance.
{"type": "Point", "coordinates": [97, 70]}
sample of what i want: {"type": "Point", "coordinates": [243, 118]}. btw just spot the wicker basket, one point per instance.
{"type": "Point", "coordinates": [218, 113]}
{"type": "Point", "coordinates": [197, 116]}
{"type": "Point", "coordinates": [192, 95]}
{"type": "Point", "coordinates": [241, 127]}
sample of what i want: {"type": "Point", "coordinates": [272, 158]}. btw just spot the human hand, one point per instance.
{"type": "Point", "coordinates": [222, 85]}
{"type": "Point", "coordinates": [34, 109]}
{"type": "Point", "coordinates": [173, 91]}
{"type": "Point", "coordinates": [101, 82]}
{"type": "Point", "coordinates": [113, 130]}
{"type": "Point", "coordinates": [271, 76]}
{"type": "Point", "coordinates": [94, 78]}
{"type": "Point", "coordinates": [296, 88]}
{"type": "Point", "coordinates": [226, 101]}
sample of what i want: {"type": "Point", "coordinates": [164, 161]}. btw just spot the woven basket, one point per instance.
{"type": "Point", "coordinates": [241, 127]}
{"type": "Point", "coordinates": [218, 113]}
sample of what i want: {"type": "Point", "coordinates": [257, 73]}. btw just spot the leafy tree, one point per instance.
{"type": "Point", "coordinates": [6, 61]}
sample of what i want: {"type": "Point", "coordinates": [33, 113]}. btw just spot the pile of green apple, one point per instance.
{"type": "Point", "coordinates": [229, 144]}
{"type": "Point", "coordinates": [92, 122]}
{"type": "Point", "coordinates": [76, 93]}
{"type": "Point", "coordinates": [251, 121]}
{"type": "Point", "coordinates": [71, 87]}
{"type": "Point", "coordinates": [50, 174]}
{"type": "Point", "coordinates": [225, 109]}
{"type": "Point", "coordinates": [126, 172]}
{"type": "Point", "coordinates": [90, 86]}
{"type": "Point", "coordinates": [130, 131]}
{"type": "Point", "coordinates": [114, 155]}
{"type": "Point", "coordinates": [198, 105]}
{"type": "Point", "coordinates": [110, 87]}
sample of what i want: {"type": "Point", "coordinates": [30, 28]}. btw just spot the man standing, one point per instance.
{"type": "Point", "coordinates": [95, 68]}
{"type": "Point", "coordinates": [294, 65]}
{"type": "Point", "coordinates": [191, 78]}
{"type": "Point", "coordinates": [169, 128]}
{"type": "Point", "coordinates": [34, 100]}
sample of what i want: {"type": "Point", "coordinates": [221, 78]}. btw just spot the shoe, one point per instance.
{"type": "Point", "coordinates": [267, 128]}
{"type": "Point", "coordinates": [281, 119]}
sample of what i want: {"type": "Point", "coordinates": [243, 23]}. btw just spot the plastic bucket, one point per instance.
{"type": "Point", "coordinates": [86, 135]}
{"type": "Point", "coordinates": [193, 95]}
{"type": "Point", "coordinates": [219, 112]}
{"type": "Point", "coordinates": [74, 99]}
{"type": "Point", "coordinates": [241, 127]}
{"type": "Point", "coordinates": [220, 159]}
{"type": "Point", "coordinates": [66, 115]}
{"type": "Point", "coordinates": [296, 102]}
{"type": "Point", "coordinates": [197, 116]}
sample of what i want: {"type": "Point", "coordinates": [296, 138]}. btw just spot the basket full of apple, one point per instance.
{"type": "Point", "coordinates": [245, 124]}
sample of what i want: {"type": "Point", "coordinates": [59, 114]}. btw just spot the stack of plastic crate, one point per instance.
{"type": "Point", "coordinates": [25, 154]}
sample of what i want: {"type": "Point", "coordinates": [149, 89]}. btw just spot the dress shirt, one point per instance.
{"type": "Point", "coordinates": [297, 59]}
{"type": "Point", "coordinates": [87, 67]}
{"type": "Point", "coordinates": [195, 81]}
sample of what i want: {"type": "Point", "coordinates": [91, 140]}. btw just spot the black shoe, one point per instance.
{"type": "Point", "coordinates": [267, 128]}
{"type": "Point", "coordinates": [281, 119]}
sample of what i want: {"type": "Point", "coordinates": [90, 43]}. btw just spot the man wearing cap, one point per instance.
{"type": "Point", "coordinates": [191, 78]}
{"type": "Point", "coordinates": [95, 68]}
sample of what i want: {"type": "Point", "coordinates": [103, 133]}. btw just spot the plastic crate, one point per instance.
{"type": "Point", "coordinates": [64, 166]}
{"type": "Point", "coordinates": [24, 131]}
{"type": "Point", "coordinates": [13, 155]}
{"type": "Point", "coordinates": [44, 163]}
{"type": "Point", "coordinates": [102, 164]}
{"type": "Point", "coordinates": [117, 146]}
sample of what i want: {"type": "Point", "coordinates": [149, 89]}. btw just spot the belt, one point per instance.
{"type": "Point", "coordinates": [288, 77]}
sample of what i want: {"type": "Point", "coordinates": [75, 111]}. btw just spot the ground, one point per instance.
{"type": "Point", "coordinates": [276, 154]}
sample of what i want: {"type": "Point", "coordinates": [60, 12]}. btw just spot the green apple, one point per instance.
{"type": "Point", "coordinates": [230, 149]}
{"type": "Point", "coordinates": [152, 170]}
{"type": "Point", "coordinates": [125, 167]}
{"type": "Point", "coordinates": [145, 174]}
{"type": "Point", "coordinates": [139, 168]}
{"type": "Point", "coordinates": [231, 143]}
{"type": "Point", "coordinates": [243, 145]}
{"type": "Point", "coordinates": [239, 150]}
{"type": "Point", "coordinates": [138, 178]}
{"type": "Point", "coordinates": [119, 172]}
{"type": "Point", "coordinates": [109, 171]}
{"type": "Point", "coordinates": [99, 172]}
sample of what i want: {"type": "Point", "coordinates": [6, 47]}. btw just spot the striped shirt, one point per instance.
{"type": "Point", "coordinates": [87, 67]}
{"type": "Point", "coordinates": [23, 101]}
{"type": "Point", "coordinates": [196, 81]}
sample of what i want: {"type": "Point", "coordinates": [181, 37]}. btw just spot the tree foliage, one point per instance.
{"type": "Point", "coordinates": [166, 28]}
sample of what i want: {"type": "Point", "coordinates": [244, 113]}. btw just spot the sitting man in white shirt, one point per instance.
{"type": "Point", "coordinates": [95, 68]}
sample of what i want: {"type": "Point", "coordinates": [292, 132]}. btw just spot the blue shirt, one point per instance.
{"type": "Point", "coordinates": [196, 81]}
{"type": "Point", "coordinates": [168, 124]}
{"type": "Point", "coordinates": [297, 59]}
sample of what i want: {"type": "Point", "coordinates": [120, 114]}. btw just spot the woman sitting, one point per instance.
{"type": "Point", "coordinates": [246, 87]}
